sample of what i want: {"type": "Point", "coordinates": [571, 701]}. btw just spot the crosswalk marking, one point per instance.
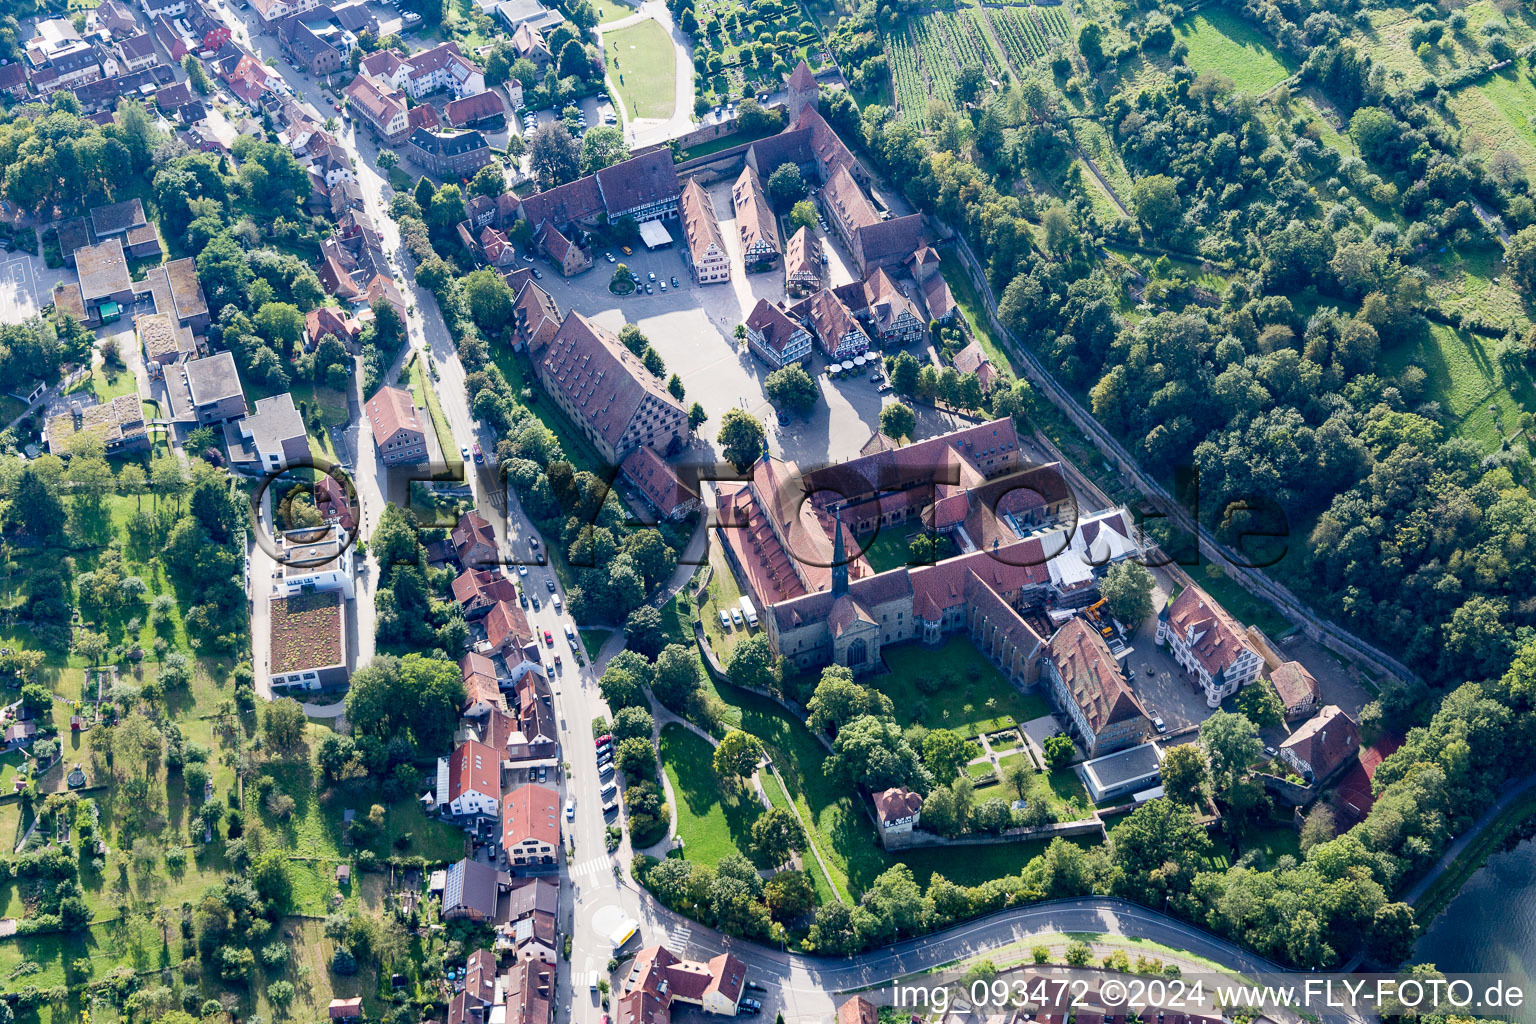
{"type": "Point", "coordinates": [593, 866]}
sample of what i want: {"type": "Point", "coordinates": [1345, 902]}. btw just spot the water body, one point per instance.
{"type": "Point", "coordinates": [1491, 926]}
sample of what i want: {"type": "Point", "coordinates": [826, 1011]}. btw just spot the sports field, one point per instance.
{"type": "Point", "coordinates": [643, 64]}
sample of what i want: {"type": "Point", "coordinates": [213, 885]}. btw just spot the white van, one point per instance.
{"type": "Point", "coordinates": [748, 611]}
{"type": "Point", "coordinates": [555, 601]}
{"type": "Point", "coordinates": [570, 632]}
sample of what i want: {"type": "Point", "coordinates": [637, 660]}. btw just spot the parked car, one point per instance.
{"type": "Point", "coordinates": [736, 618]}
{"type": "Point", "coordinates": [570, 808]}
{"type": "Point", "coordinates": [648, 289]}
{"type": "Point", "coordinates": [535, 600]}
{"type": "Point", "coordinates": [626, 250]}
{"type": "Point", "coordinates": [725, 618]}
{"type": "Point", "coordinates": [610, 257]}
{"type": "Point", "coordinates": [549, 582]}
{"type": "Point", "coordinates": [1159, 725]}
{"type": "Point", "coordinates": [522, 570]}
{"type": "Point", "coordinates": [663, 286]}
{"type": "Point", "coordinates": [674, 282]}
{"type": "Point", "coordinates": [464, 453]}
{"type": "Point", "coordinates": [555, 601]}
{"type": "Point", "coordinates": [603, 740]}
{"type": "Point", "coordinates": [549, 639]}
{"type": "Point", "coordinates": [522, 599]}
{"type": "Point", "coordinates": [479, 453]}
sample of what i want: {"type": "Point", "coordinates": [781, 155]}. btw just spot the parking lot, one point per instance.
{"type": "Point", "coordinates": [692, 328]}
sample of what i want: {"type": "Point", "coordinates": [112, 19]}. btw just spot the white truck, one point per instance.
{"type": "Point", "coordinates": [748, 611]}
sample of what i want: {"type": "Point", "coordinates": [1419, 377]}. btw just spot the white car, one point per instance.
{"type": "Point", "coordinates": [464, 453]}
{"type": "Point", "coordinates": [725, 618]}
{"type": "Point", "coordinates": [522, 570]}
{"type": "Point", "coordinates": [650, 277]}
{"type": "Point", "coordinates": [555, 601]}
{"type": "Point", "coordinates": [736, 617]}
{"type": "Point", "coordinates": [570, 808]}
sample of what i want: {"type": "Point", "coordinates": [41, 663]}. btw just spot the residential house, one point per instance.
{"type": "Point", "coordinates": [118, 424]}
{"type": "Point", "coordinates": [480, 110]}
{"type": "Point", "coordinates": [1322, 744]}
{"type": "Point", "coordinates": [271, 12]}
{"type": "Point", "coordinates": [105, 287]}
{"type": "Point", "coordinates": [213, 388]}
{"type": "Point", "coordinates": [659, 484]}
{"type": "Point", "coordinates": [307, 644]}
{"type": "Point", "coordinates": [398, 434]}
{"type": "Point", "coordinates": [608, 393]}
{"type": "Point", "coordinates": [1088, 688]}
{"type": "Point", "coordinates": [469, 781]}
{"type": "Point", "coordinates": [478, 590]}
{"type": "Point", "coordinates": [530, 14]}
{"type": "Point", "coordinates": [973, 359]}
{"type": "Point", "coordinates": [857, 1010]}
{"type": "Point", "coordinates": [164, 341]}
{"type": "Point", "coordinates": [837, 332]}
{"type": "Point", "coordinates": [802, 263]}
{"type": "Point", "coordinates": [658, 980]}
{"type": "Point", "coordinates": [704, 252]}
{"type": "Point", "coordinates": [531, 919]}
{"type": "Point", "coordinates": [530, 826]}
{"type": "Point", "coordinates": [1208, 643]}
{"type": "Point", "coordinates": [509, 636]}
{"type": "Point", "coordinates": [940, 302]}
{"type": "Point", "coordinates": [457, 155]}
{"type": "Point", "coordinates": [117, 19]}
{"type": "Point", "coordinates": [315, 560]}
{"type": "Point", "coordinates": [177, 291]}
{"type": "Point", "coordinates": [529, 44]}
{"type": "Point", "coordinates": [379, 106]}
{"type": "Point", "coordinates": [892, 318]}
{"type": "Point", "coordinates": [571, 258]}
{"type": "Point", "coordinates": [529, 991]}
{"type": "Point", "coordinates": [13, 79]}
{"type": "Point", "coordinates": [136, 52]}
{"type": "Point", "coordinates": [270, 439]}
{"type": "Point", "coordinates": [898, 811]}
{"type": "Point", "coordinates": [755, 221]}
{"type": "Point", "coordinates": [775, 338]}
{"type": "Point", "coordinates": [482, 689]}
{"type": "Point", "coordinates": [496, 248]}
{"type": "Point", "coordinates": [472, 891]}
{"type": "Point", "coordinates": [474, 542]}
{"type": "Point", "coordinates": [536, 317]}
{"type": "Point", "coordinates": [1297, 688]}
{"type": "Point", "coordinates": [336, 322]}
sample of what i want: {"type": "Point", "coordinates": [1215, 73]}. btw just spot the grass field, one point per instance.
{"type": "Point", "coordinates": [1462, 281]}
{"type": "Point", "coordinates": [724, 593]}
{"type": "Point", "coordinates": [1223, 43]}
{"type": "Point", "coordinates": [1498, 110]}
{"type": "Point", "coordinates": [1467, 382]}
{"type": "Point", "coordinates": [975, 313]}
{"type": "Point", "coordinates": [425, 396]}
{"type": "Point", "coordinates": [968, 681]}
{"type": "Point", "coordinates": [643, 64]}
{"type": "Point", "coordinates": [713, 822]}
{"type": "Point", "coordinates": [610, 10]}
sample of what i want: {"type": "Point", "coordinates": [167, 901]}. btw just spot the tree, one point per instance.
{"type": "Point", "coordinates": [945, 752]}
{"type": "Point", "coordinates": [1521, 257]}
{"type": "Point", "coordinates": [602, 146]}
{"type": "Point", "coordinates": [554, 156]}
{"type": "Point", "coordinates": [36, 508]}
{"type": "Point", "coordinates": [1318, 826]}
{"type": "Point", "coordinates": [737, 755]}
{"type": "Point", "coordinates": [1155, 198]}
{"type": "Point", "coordinates": [1259, 702]}
{"type": "Point", "coordinates": [1183, 773]}
{"type": "Point", "coordinates": [1231, 744]}
{"type": "Point", "coordinates": [632, 722]}
{"type": "Point", "coordinates": [416, 698]}
{"type": "Point", "coordinates": [1059, 751]}
{"type": "Point", "coordinates": [871, 752]}
{"type": "Point", "coordinates": [803, 215]}
{"type": "Point", "coordinates": [752, 664]}
{"type": "Point", "coordinates": [643, 631]}
{"type": "Point", "coordinates": [489, 181]}
{"type": "Point", "coordinates": [776, 834]}
{"type": "Point", "coordinates": [904, 373]}
{"type": "Point", "coordinates": [636, 758]}
{"type": "Point", "coordinates": [838, 700]}
{"type": "Point", "coordinates": [632, 338]}
{"type": "Point", "coordinates": [675, 387]}
{"type": "Point", "coordinates": [1157, 850]}
{"type": "Point", "coordinates": [897, 420]}
{"type": "Point", "coordinates": [1392, 934]}
{"type": "Point", "coordinates": [282, 725]}
{"type": "Point", "coordinates": [1127, 586]}
{"type": "Point", "coordinates": [786, 186]}
{"type": "Point", "coordinates": [792, 388]}
{"type": "Point", "coordinates": [743, 438]}
{"type": "Point", "coordinates": [1020, 777]}
{"type": "Point", "coordinates": [789, 895]}
{"type": "Point", "coordinates": [696, 416]}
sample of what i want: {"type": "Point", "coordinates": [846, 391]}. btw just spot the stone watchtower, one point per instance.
{"type": "Point", "coordinates": [801, 91]}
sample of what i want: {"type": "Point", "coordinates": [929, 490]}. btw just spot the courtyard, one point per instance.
{"type": "Point", "coordinates": [693, 328]}
{"type": "Point", "coordinates": [953, 686]}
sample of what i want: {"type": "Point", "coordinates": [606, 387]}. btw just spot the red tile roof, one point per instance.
{"type": "Point", "coordinates": [473, 768]}
{"type": "Point", "coordinates": [656, 480]}
{"type": "Point", "coordinates": [1219, 637]}
{"type": "Point", "coordinates": [639, 181]}
{"type": "Point", "coordinates": [892, 805]}
{"type": "Point", "coordinates": [1092, 676]}
{"type": "Point", "coordinates": [530, 812]}
{"type": "Point", "coordinates": [599, 377]}
{"type": "Point", "coordinates": [506, 625]}
{"type": "Point", "coordinates": [1295, 685]}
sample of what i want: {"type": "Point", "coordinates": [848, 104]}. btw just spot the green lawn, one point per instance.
{"type": "Point", "coordinates": [1498, 110]}
{"type": "Point", "coordinates": [723, 594]}
{"type": "Point", "coordinates": [713, 822]}
{"type": "Point", "coordinates": [974, 312]}
{"type": "Point", "coordinates": [1223, 43]}
{"type": "Point", "coordinates": [315, 827]}
{"type": "Point", "coordinates": [424, 394]}
{"type": "Point", "coordinates": [593, 639]}
{"type": "Point", "coordinates": [1465, 379]}
{"type": "Point", "coordinates": [643, 65]}
{"type": "Point", "coordinates": [965, 678]}
{"type": "Point", "coordinates": [610, 10]}
{"type": "Point", "coordinates": [1462, 281]}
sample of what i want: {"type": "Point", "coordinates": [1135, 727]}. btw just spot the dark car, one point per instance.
{"type": "Point", "coordinates": [550, 583]}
